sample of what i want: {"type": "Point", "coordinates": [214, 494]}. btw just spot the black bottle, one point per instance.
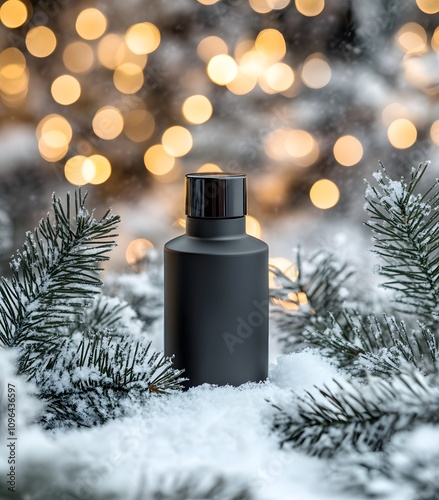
{"type": "Point", "coordinates": [216, 287]}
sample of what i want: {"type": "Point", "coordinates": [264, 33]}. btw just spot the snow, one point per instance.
{"type": "Point", "coordinates": [301, 371]}
{"type": "Point", "coordinates": [201, 433]}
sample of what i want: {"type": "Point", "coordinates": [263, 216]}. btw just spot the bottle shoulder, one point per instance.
{"type": "Point", "coordinates": [243, 244]}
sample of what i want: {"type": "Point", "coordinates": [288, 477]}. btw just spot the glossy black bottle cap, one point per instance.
{"type": "Point", "coordinates": [218, 195]}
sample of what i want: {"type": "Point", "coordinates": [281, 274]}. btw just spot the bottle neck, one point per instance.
{"type": "Point", "coordinates": [215, 228]}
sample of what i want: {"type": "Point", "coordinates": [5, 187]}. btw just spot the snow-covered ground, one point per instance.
{"type": "Point", "coordinates": [204, 432]}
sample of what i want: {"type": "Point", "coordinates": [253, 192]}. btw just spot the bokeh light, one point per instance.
{"type": "Point", "coordinates": [310, 8]}
{"type": "Point", "coordinates": [402, 133]}
{"type": "Point", "coordinates": [137, 250]}
{"type": "Point", "coordinates": [128, 78]}
{"type": "Point", "coordinates": [412, 38]}
{"type": "Point", "coordinates": [253, 64]}
{"type": "Point", "coordinates": [66, 90]}
{"type": "Point", "coordinates": [101, 170]}
{"type": "Point", "coordinates": [139, 125]}
{"type": "Point", "coordinates": [197, 109]}
{"type": "Point", "coordinates": [252, 226]}
{"type": "Point", "coordinates": [209, 167]}
{"type": "Point", "coordinates": [108, 123]}
{"type": "Point", "coordinates": [279, 77]}
{"type": "Point", "coordinates": [293, 145]}
{"type": "Point", "coordinates": [13, 13]}
{"type": "Point", "coordinates": [211, 46]}
{"type": "Point", "coordinates": [316, 72]}
{"type": "Point", "coordinates": [91, 24]}
{"type": "Point", "coordinates": [54, 134]}
{"type": "Point", "coordinates": [393, 111]}
{"type": "Point", "coordinates": [324, 194]}
{"type": "Point", "coordinates": [143, 38]}
{"type": "Point", "coordinates": [348, 150]}
{"type": "Point", "coordinates": [78, 57]}
{"type": "Point", "coordinates": [40, 41]}
{"type": "Point", "coordinates": [285, 266]}
{"type": "Point", "coordinates": [278, 4]}
{"type": "Point", "coordinates": [49, 153]}
{"type": "Point", "coordinates": [158, 161]}
{"type": "Point", "coordinates": [270, 43]}
{"type": "Point", "coordinates": [243, 83]}
{"type": "Point", "coordinates": [177, 141]}
{"type": "Point", "coordinates": [111, 50]}
{"type": "Point", "coordinates": [55, 123]}
{"type": "Point", "coordinates": [260, 6]}
{"type": "Point", "coordinates": [242, 47]}
{"type": "Point", "coordinates": [435, 40]}
{"type": "Point", "coordinates": [14, 77]}
{"type": "Point", "coordinates": [434, 132]}
{"type": "Point", "coordinates": [428, 6]}
{"type": "Point", "coordinates": [73, 170]}
{"type": "Point", "coordinates": [222, 69]}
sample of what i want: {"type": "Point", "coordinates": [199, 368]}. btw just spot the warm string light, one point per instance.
{"type": "Point", "coordinates": [412, 38]}
{"type": "Point", "coordinates": [137, 251]}
{"type": "Point", "coordinates": [13, 13]}
{"type": "Point", "coordinates": [292, 145]}
{"type": "Point", "coordinates": [255, 62]}
{"type": "Point", "coordinates": [80, 170]}
{"type": "Point", "coordinates": [324, 194]}
{"type": "Point", "coordinates": [54, 134]}
{"type": "Point", "coordinates": [285, 266]}
{"type": "Point", "coordinates": [209, 167]}
{"type": "Point", "coordinates": [348, 150]}
{"type": "Point", "coordinates": [14, 77]}
{"type": "Point", "coordinates": [428, 6]}
{"type": "Point", "coordinates": [252, 226]}
{"type": "Point", "coordinates": [252, 63]}
{"type": "Point", "coordinates": [402, 133]}
{"type": "Point", "coordinates": [316, 72]}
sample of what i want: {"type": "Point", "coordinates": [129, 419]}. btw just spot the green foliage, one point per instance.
{"type": "Point", "coordinates": [399, 348]}
{"type": "Point", "coordinates": [406, 237]}
{"type": "Point", "coordinates": [321, 285]}
{"type": "Point", "coordinates": [86, 362]}
{"type": "Point", "coordinates": [357, 416]}
{"type": "Point", "coordinates": [380, 345]}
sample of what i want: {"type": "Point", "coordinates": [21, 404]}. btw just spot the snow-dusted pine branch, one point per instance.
{"type": "Point", "coordinates": [84, 353]}
{"type": "Point", "coordinates": [380, 345]}
{"type": "Point", "coordinates": [405, 225]}
{"type": "Point", "coordinates": [307, 296]}
{"type": "Point", "coordinates": [54, 276]}
{"type": "Point", "coordinates": [357, 416]}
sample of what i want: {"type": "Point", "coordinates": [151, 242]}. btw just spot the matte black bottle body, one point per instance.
{"type": "Point", "coordinates": [216, 302]}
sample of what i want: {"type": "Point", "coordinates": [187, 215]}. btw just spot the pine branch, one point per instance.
{"type": "Point", "coordinates": [377, 345]}
{"type": "Point", "coordinates": [53, 278]}
{"type": "Point", "coordinates": [87, 364]}
{"type": "Point", "coordinates": [108, 371]}
{"type": "Point", "coordinates": [306, 299]}
{"type": "Point", "coordinates": [359, 417]}
{"type": "Point", "coordinates": [405, 226]}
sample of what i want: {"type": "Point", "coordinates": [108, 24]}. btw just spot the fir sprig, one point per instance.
{"type": "Point", "coordinates": [86, 358]}
{"type": "Point", "coordinates": [54, 276]}
{"type": "Point", "coordinates": [108, 370]}
{"type": "Point", "coordinates": [307, 296]}
{"type": "Point", "coordinates": [380, 345]}
{"type": "Point", "coordinates": [356, 416]}
{"type": "Point", "coordinates": [405, 225]}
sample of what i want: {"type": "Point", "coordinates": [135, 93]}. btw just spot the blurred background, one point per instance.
{"type": "Point", "coordinates": [303, 96]}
